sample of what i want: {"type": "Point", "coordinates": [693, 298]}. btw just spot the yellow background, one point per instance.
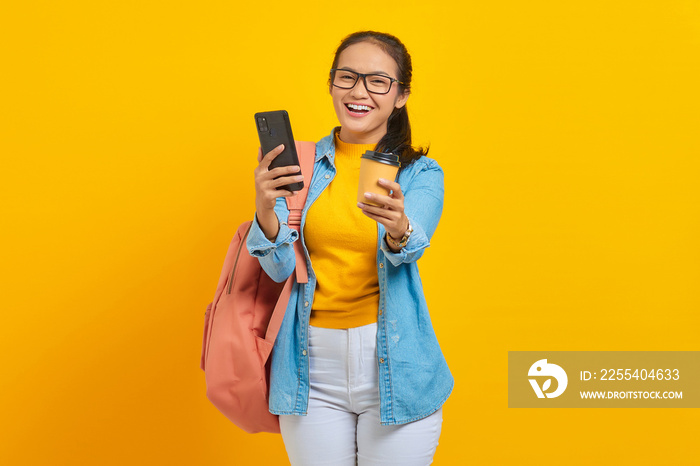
{"type": "Point", "coordinates": [568, 131]}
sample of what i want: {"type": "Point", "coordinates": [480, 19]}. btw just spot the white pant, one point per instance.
{"type": "Point", "coordinates": [342, 425]}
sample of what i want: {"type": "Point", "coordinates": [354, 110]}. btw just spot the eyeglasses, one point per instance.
{"type": "Point", "coordinates": [374, 83]}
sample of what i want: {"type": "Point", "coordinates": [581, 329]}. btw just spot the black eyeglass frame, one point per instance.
{"type": "Point", "coordinates": [364, 80]}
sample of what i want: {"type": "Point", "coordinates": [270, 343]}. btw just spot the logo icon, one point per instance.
{"type": "Point", "coordinates": [542, 369]}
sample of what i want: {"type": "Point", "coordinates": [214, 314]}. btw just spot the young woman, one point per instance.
{"type": "Point", "coordinates": [357, 375]}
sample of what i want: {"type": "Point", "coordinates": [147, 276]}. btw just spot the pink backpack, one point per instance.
{"type": "Point", "coordinates": [241, 324]}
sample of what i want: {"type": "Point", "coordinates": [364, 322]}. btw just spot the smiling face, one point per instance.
{"type": "Point", "coordinates": [363, 116]}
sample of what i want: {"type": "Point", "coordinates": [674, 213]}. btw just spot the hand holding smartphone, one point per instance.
{"type": "Point", "coordinates": [274, 129]}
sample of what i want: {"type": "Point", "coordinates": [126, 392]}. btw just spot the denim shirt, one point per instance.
{"type": "Point", "coordinates": [414, 380]}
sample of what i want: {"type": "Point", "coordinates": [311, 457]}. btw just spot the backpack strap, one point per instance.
{"type": "Point", "coordinates": [307, 155]}
{"type": "Point", "coordinates": [273, 327]}
{"type": "Point", "coordinates": [295, 204]}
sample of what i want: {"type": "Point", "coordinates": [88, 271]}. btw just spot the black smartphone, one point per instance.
{"type": "Point", "coordinates": [274, 129]}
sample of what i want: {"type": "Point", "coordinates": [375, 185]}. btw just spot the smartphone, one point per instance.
{"type": "Point", "coordinates": [274, 129]}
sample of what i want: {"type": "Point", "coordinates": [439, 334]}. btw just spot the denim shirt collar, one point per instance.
{"type": "Point", "coordinates": [326, 147]}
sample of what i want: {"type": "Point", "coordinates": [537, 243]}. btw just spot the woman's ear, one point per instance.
{"type": "Point", "coordinates": [401, 99]}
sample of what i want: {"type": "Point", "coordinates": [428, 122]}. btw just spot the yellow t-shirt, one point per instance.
{"type": "Point", "coordinates": [342, 244]}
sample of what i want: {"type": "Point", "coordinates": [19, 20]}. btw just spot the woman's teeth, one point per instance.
{"type": "Point", "coordinates": [359, 108]}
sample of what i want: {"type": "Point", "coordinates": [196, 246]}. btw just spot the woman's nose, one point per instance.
{"type": "Point", "coordinates": [360, 89]}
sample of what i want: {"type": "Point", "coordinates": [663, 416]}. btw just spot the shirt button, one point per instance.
{"type": "Point", "coordinates": [381, 360]}
{"type": "Point", "coordinates": [304, 352]}
{"type": "Point", "coordinates": [328, 176]}
{"type": "Point", "coordinates": [306, 304]}
{"type": "Point", "coordinates": [381, 311]}
{"type": "Point", "coordinates": [381, 265]}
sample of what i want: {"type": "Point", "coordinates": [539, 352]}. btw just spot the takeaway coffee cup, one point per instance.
{"type": "Point", "coordinates": [375, 165]}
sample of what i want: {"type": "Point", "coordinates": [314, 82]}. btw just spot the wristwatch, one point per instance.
{"type": "Point", "coordinates": [404, 238]}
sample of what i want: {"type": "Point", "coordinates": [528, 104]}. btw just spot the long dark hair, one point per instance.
{"type": "Point", "coordinates": [398, 135]}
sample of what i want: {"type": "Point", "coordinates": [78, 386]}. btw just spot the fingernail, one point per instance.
{"type": "Point", "coordinates": [360, 205]}
{"type": "Point", "coordinates": [369, 195]}
{"type": "Point", "coordinates": [383, 181]}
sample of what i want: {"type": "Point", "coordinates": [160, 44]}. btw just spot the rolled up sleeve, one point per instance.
{"type": "Point", "coordinates": [276, 257]}
{"type": "Point", "coordinates": [423, 200]}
